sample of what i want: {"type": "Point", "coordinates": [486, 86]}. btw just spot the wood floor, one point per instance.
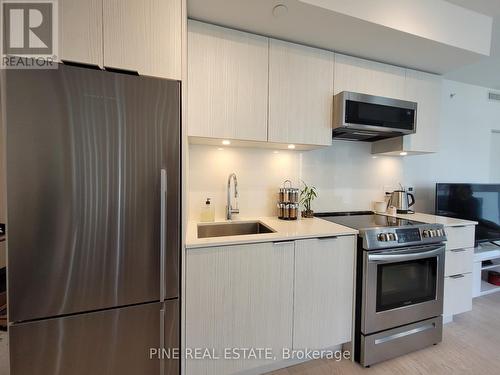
{"type": "Point", "coordinates": [471, 345]}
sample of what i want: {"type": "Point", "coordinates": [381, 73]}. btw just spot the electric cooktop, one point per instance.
{"type": "Point", "coordinates": [364, 220]}
{"type": "Point", "coordinates": [380, 231]}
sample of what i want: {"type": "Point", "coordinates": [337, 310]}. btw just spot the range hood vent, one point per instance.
{"type": "Point", "coordinates": [361, 136]}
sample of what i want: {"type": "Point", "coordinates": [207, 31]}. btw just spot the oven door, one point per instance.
{"type": "Point", "coordinates": [402, 286]}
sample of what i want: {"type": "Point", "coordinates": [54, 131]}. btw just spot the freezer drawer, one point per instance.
{"type": "Point", "coordinates": [112, 342]}
{"type": "Point", "coordinates": [398, 341]}
{"type": "Point", "coordinates": [171, 336]}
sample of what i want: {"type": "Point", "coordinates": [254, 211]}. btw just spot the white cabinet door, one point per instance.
{"type": "Point", "coordinates": [238, 297]}
{"type": "Point", "coordinates": [459, 261]}
{"type": "Point", "coordinates": [324, 290]}
{"type": "Point", "coordinates": [227, 83]}
{"type": "Point", "coordinates": [457, 294]}
{"type": "Point", "coordinates": [143, 36]}
{"type": "Point", "coordinates": [368, 77]}
{"type": "Point", "coordinates": [300, 94]}
{"type": "Point", "coordinates": [461, 237]}
{"type": "Point", "coordinates": [80, 31]}
{"type": "Point", "coordinates": [425, 89]}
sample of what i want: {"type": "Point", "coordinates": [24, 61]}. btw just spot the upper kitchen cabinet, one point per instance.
{"type": "Point", "coordinates": [300, 94]}
{"type": "Point", "coordinates": [80, 31]}
{"type": "Point", "coordinates": [368, 77]}
{"type": "Point", "coordinates": [227, 83]}
{"type": "Point", "coordinates": [143, 36]}
{"type": "Point", "coordinates": [425, 89]}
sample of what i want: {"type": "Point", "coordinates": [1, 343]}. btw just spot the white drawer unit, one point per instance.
{"type": "Point", "coordinates": [459, 264]}
{"type": "Point", "coordinates": [459, 261]}
{"type": "Point", "coordinates": [457, 294]}
{"type": "Point", "coordinates": [461, 237]}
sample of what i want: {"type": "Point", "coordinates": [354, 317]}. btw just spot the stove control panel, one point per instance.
{"type": "Point", "coordinates": [408, 235]}
{"type": "Point", "coordinates": [388, 237]}
{"type": "Point", "coordinates": [419, 234]}
{"type": "Point", "coordinates": [430, 233]}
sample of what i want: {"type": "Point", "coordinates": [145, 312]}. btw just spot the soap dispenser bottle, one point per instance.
{"type": "Point", "coordinates": [207, 212]}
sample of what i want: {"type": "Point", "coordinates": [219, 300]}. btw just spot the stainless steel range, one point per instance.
{"type": "Point", "coordinates": [399, 277]}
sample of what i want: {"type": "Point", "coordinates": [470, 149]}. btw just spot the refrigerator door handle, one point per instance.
{"type": "Point", "coordinates": [163, 234]}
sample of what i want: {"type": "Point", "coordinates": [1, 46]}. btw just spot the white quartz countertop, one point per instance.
{"type": "Point", "coordinates": [285, 231]}
{"type": "Point", "coordinates": [433, 219]}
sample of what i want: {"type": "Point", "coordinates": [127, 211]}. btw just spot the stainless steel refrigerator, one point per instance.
{"type": "Point", "coordinates": [93, 192]}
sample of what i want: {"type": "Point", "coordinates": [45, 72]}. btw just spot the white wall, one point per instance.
{"type": "Point", "coordinates": [260, 174]}
{"type": "Point", "coordinates": [346, 175]}
{"type": "Point", "coordinates": [467, 120]}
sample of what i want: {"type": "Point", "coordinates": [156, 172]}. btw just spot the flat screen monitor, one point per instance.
{"type": "Point", "coordinates": [477, 202]}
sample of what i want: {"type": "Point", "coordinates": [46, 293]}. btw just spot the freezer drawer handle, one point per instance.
{"type": "Point", "coordinates": [163, 228]}
{"type": "Point", "coordinates": [405, 333]}
{"type": "Point", "coordinates": [162, 338]}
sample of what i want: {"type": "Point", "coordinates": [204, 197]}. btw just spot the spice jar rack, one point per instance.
{"type": "Point", "coordinates": [288, 202]}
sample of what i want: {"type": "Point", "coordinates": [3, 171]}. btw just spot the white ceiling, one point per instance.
{"type": "Point", "coordinates": [315, 26]}
{"type": "Point", "coordinates": [486, 71]}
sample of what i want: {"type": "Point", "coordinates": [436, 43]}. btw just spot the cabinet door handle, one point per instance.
{"type": "Point", "coordinates": [328, 238]}
{"type": "Point", "coordinates": [282, 243]}
{"type": "Point", "coordinates": [458, 250]}
{"type": "Point", "coordinates": [457, 276]}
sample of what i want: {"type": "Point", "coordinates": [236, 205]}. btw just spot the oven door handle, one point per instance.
{"type": "Point", "coordinates": [398, 257]}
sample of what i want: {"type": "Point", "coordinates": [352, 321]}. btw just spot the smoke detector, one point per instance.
{"type": "Point", "coordinates": [280, 10]}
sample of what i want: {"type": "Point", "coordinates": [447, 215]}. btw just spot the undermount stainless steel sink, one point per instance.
{"type": "Point", "coordinates": [232, 229]}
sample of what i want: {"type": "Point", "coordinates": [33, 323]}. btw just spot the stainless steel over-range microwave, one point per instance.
{"type": "Point", "coordinates": [371, 118]}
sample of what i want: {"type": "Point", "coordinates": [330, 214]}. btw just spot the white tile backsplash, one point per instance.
{"type": "Point", "coordinates": [345, 174]}
{"type": "Point", "coordinates": [260, 174]}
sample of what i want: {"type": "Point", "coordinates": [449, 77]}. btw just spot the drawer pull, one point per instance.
{"type": "Point", "coordinates": [458, 250]}
{"type": "Point", "coordinates": [457, 276]}
{"type": "Point", "coordinates": [327, 238]}
{"type": "Point", "coordinates": [282, 243]}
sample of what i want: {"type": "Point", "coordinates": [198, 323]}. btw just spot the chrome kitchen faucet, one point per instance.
{"type": "Point", "coordinates": [230, 210]}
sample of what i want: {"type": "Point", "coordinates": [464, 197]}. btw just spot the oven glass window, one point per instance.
{"type": "Point", "coordinates": [406, 283]}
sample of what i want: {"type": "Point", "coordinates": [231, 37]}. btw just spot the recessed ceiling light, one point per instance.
{"type": "Point", "coordinates": [403, 153]}
{"type": "Point", "coordinates": [225, 142]}
{"type": "Point", "coordinates": [291, 147]}
{"type": "Point", "coordinates": [220, 149]}
{"type": "Point", "coordinates": [374, 157]}
{"type": "Point", "coordinates": [280, 10]}
{"type": "Point", "coordinates": [276, 152]}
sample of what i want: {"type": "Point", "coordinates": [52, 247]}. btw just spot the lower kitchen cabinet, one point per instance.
{"type": "Point", "coordinates": [238, 297]}
{"type": "Point", "coordinates": [457, 294]}
{"type": "Point", "coordinates": [459, 263]}
{"type": "Point", "coordinates": [324, 291]}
